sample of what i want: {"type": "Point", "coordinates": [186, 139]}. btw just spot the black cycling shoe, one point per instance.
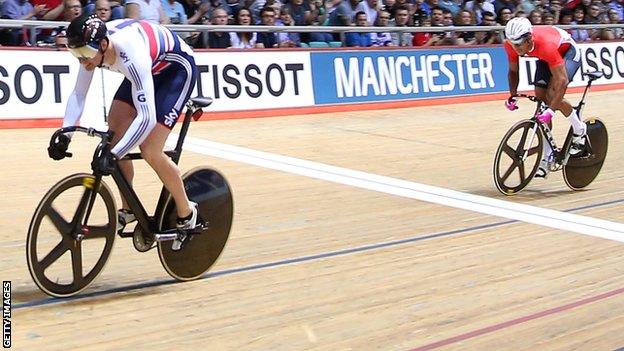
{"type": "Point", "coordinates": [124, 217]}
{"type": "Point", "coordinates": [543, 170]}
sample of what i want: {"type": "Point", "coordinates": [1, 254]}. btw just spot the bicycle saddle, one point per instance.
{"type": "Point", "coordinates": [593, 75]}
{"type": "Point", "coordinates": [201, 102]}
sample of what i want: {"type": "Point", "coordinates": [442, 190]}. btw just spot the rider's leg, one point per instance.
{"type": "Point", "coordinates": [168, 172]}
{"type": "Point", "coordinates": [540, 92]}
{"type": "Point", "coordinates": [544, 166]}
{"type": "Point", "coordinates": [120, 117]}
{"type": "Point", "coordinates": [572, 59]}
{"type": "Point", "coordinates": [578, 126]}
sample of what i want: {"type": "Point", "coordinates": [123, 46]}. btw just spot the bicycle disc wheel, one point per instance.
{"type": "Point", "coordinates": [517, 157]}
{"type": "Point", "coordinates": [209, 189]}
{"type": "Point", "coordinates": [60, 265]}
{"type": "Point", "coordinates": [579, 172]}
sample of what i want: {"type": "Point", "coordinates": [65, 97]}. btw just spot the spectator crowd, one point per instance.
{"type": "Point", "coordinates": [320, 13]}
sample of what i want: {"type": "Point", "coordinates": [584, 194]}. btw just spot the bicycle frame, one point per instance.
{"type": "Point", "coordinates": [147, 223]}
{"type": "Point", "coordinates": [562, 155]}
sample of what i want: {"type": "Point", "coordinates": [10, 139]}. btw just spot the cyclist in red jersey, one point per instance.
{"type": "Point", "coordinates": [558, 61]}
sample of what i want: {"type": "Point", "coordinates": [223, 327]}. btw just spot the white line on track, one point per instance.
{"type": "Point", "coordinates": [530, 214]}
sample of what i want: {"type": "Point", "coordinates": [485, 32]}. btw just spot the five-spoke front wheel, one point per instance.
{"type": "Point", "coordinates": [517, 157]}
{"type": "Point", "coordinates": [63, 256]}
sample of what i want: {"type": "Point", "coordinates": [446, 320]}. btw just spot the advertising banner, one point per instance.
{"type": "Point", "coordinates": [37, 83]}
{"type": "Point", "coordinates": [255, 80]}
{"type": "Point", "coordinates": [367, 76]}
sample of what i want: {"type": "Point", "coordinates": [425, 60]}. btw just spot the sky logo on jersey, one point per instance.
{"type": "Point", "coordinates": [124, 56]}
{"type": "Point", "coordinates": [171, 118]}
{"type": "Point", "coordinates": [385, 75]}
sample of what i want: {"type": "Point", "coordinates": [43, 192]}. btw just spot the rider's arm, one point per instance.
{"type": "Point", "coordinates": [557, 86]}
{"type": "Point", "coordinates": [140, 75]}
{"type": "Point", "coordinates": [512, 74]}
{"type": "Point", "coordinates": [76, 101]}
{"type": "Point", "coordinates": [514, 78]}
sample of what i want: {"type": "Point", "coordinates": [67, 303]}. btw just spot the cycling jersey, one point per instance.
{"type": "Point", "coordinates": [160, 74]}
{"type": "Point", "coordinates": [550, 45]}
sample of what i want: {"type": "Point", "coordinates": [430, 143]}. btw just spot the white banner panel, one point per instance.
{"type": "Point", "coordinates": [606, 57]}
{"type": "Point", "coordinates": [36, 84]}
{"type": "Point", "coordinates": [255, 80]}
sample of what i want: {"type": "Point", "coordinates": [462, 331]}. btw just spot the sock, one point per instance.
{"type": "Point", "coordinates": [181, 220]}
{"type": "Point", "coordinates": [546, 151]}
{"type": "Point", "coordinates": [578, 126]}
{"type": "Point", "coordinates": [184, 219]}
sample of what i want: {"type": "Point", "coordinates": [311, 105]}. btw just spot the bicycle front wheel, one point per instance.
{"type": "Point", "coordinates": [517, 157]}
{"type": "Point", "coordinates": [60, 264]}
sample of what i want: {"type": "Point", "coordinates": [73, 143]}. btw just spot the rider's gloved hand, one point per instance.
{"type": "Point", "coordinates": [512, 103]}
{"type": "Point", "coordinates": [58, 148]}
{"type": "Point", "coordinates": [105, 164]}
{"type": "Point", "coordinates": [546, 115]}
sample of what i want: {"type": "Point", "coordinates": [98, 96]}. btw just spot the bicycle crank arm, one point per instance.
{"type": "Point", "coordinates": [172, 234]}
{"type": "Point", "coordinates": [165, 236]}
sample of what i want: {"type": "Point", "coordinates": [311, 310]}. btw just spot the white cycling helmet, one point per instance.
{"type": "Point", "coordinates": [518, 29]}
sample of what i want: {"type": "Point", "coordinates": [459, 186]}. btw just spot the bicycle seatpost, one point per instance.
{"type": "Point", "coordinates": [581, 103]}
{"type": "Point", "coordinates": [191, 110]}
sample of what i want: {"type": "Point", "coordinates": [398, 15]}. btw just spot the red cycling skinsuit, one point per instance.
{"type": "Point", "coordinates": [552, 47]}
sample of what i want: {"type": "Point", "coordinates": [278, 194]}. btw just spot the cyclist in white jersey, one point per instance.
{"type": "Point", "coordinates": [160, 74]}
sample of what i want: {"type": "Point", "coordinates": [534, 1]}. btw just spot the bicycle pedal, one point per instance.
{"type": "Point", "coordinates": [123, 234]}
{"type": "Point", "coordinates": [181, 241]}
{"type": "Point", "coordinates": [184, 236]}
{"type": "Point", "coordinates": [584, 157]}
{"type": "Point", "coordinates": [197, 230]}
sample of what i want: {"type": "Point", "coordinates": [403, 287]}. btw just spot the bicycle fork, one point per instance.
{"type": "Point", "coordinates": [85, 206]}
{"type": "Point", "coordinates": [534, 131]}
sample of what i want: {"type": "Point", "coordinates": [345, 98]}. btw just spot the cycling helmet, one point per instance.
{"type": "Point", "coordinates": [518, 29]}
{"type": "Point", "coordinates": [84, 35]}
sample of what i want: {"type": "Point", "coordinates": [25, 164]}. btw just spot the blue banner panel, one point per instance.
{"type": "Point", "coordinates": [350, 76]}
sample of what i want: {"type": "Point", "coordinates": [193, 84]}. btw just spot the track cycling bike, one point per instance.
{"type": "Point", "coordinates": [520, 151]}
{"type": "Point", "coordinates": [72, 231]}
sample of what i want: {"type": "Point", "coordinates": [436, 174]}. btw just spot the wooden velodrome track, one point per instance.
{"type": "Point", "coordinates": [322, 258]}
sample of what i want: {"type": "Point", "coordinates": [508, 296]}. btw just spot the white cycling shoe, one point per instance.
{"type": "Point", "coordinates": [185, 224]}
{"type": "Point", "coordinates": [578, 144]}
{"type": "Point", "coordinates": [543, 169]}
